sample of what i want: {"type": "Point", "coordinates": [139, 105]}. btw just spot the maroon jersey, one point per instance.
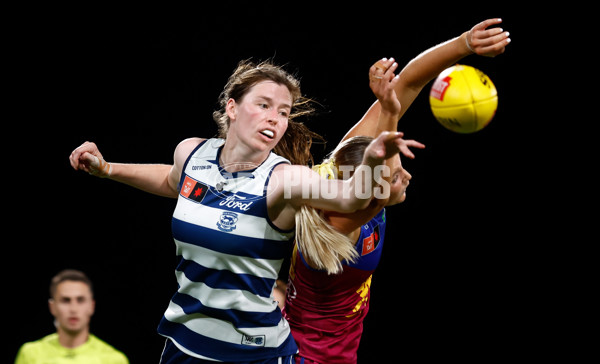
{"type": "Point", "coordinates": [326, 311]}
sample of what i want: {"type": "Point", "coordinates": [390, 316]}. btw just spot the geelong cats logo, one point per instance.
{"type": "Point", "coordinates": [227, 221]}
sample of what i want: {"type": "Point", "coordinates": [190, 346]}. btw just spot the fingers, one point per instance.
{"type": "Point", "coordinates": [377, 148]}
{"type": "Point", "coordinates": [74, 158]}
{"type": "Point", "coordinates": [406, 151]}
{"type": "Point", "coordinates": [383, 70]}
{"type": "Point", "coordinates": [381, 65]}
{"type": "Point", "coordinates": [407, 144]}
{"type": "Point", "coordinates": [387, 136]}
{"type": "Point", "coordinates": [92, 160]}
{"type": "Point", "coordinates": [489, 37]}
{"type": "Point", "coordinates": [80, 158]}
{"type": "Point", "coordinates": [492, 46]}
{"type": "Point", "coordinates": [376, 71]}
{"type": "Point", "coordinates": [487, 23]}
{"type": "Point", "coordinates": [414, 144]}
{"type": "Point", "coordinates": [391, 143]}
{"type": "Point", "coordinates": [488, 42]}
{"type": "Point", "coordinates": [387, 144]}
{"type": "Point", "coordinates": [86, 162]}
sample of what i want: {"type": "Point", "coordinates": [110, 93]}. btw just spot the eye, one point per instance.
{"type": "Point", "coordinates": [284, 113]}
{"type": "Point", "coordinates": [395, 178]}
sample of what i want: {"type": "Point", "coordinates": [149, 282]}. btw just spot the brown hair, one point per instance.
{"type": "Point", "coordinates": [350, 152]}
{"type": "Point", "coordinates": [69, 275]}
{"type": "Point", "coordinates": [296, 142]}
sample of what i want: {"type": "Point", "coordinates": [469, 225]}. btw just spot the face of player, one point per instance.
{"type": "Point", "coordinates": [399, 182]}
{"type": "Point", "coordinates": [260, 118]}
{"type": "Point", "coordinates": [72, 306]}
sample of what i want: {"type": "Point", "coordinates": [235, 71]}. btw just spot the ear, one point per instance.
{"type": "Point", "coordinates": [231, 109]}
{"type": "Point", "coordinates": [51, 307]}
{"type": "Point", "coordinates": [93, 307]}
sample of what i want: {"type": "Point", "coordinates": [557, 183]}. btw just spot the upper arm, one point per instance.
{"type": "Point", "coordinates": [182, 152]}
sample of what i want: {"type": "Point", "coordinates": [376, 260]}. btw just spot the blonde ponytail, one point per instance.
{"type": "Point", "coordinates": [322, 246]}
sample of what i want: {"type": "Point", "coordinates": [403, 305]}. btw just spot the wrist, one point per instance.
{"type": "Point", "coordinates": [100, 168]}
{"type": "Point", "coordinates": [467, 41]}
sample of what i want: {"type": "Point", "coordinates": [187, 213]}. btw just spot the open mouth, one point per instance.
{"type": "Point", "coordinates": [268, 133]}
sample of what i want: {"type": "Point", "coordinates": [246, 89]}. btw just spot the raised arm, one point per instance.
{"type": "Point", "coordinates": [483, 39]}
{"type": "Point", "coordinates": [382, 83]}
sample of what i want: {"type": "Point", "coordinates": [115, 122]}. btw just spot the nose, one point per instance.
{"type": "Point", "coordinates": [407, 176]}
{"type": "Point", "coordinates": [273, 116]}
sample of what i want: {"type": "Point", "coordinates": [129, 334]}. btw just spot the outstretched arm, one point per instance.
{"type": "Point", "coordinates": [482, 39]}
{"type": "Point", "coordinates": [158, 179]}
{"type": "Point", "coordinates": [297, 185]}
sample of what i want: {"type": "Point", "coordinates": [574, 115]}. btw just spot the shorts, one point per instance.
{"type": "Point", "coordinates": [172, 355]}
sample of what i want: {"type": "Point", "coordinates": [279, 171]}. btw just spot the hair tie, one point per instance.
{"type": "Point", "coordinates": [326, 169]}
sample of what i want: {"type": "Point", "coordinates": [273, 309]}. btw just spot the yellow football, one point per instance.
{"type": "Point", "coordinates": [463, 99]}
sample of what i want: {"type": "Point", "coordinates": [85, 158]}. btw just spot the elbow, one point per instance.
{"type": "Point", "coordinates": [357, 203]}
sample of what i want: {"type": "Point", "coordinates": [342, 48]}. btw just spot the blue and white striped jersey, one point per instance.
{"type": "Point", "coordinates": [229, 256]}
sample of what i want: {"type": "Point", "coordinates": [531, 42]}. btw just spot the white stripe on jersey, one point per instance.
{"type": "Point", "coordinates": [224, 299]}
{"type": "Point", "coordinates": [225, 331]}
{"type": "Point", "coordinates": [263, 268]}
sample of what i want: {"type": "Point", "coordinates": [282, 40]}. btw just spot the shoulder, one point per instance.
{"type": "Point", "coordinates": [106, 349]}
{"type": "Point", "coordinates": [186, 146]}
{"type": "Point", "coordinates": [46, 340]}
{"type": "Point", "coordinates": [275, 159]}
{"type": "Point", "coordinates": [36, 349]}
{"type": "Point", "coordinates": [294, 170]}
{"type": "Point", "coordinates": [271, 164]}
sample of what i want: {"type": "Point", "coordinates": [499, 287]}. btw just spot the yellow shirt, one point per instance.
{"type": "Point", "coordinates": [49, 351]}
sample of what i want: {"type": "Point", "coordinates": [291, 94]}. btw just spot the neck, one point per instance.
{"type": "Point", "coordinates": [236, 158]}
{"type": "Point", "coordinates": [353, 236]}
{"type": "Point", "coordinates": [72, 340]}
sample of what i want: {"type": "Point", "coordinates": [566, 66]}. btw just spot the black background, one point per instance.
{"type": "Point", "coordinates": [456, 274]}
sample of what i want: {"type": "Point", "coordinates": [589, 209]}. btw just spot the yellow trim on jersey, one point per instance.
{"type": "Point", "coordinates": [363, 292]}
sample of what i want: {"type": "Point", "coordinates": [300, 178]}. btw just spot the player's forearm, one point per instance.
{"type": "Point", "coordinates": [348, 223]}
{"type": "Point", "coordinates": [427, 65]}
{"type": "Point", "coordinates": [152, 178]}
{"type": "Point", "coordinates": [387, 121]}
